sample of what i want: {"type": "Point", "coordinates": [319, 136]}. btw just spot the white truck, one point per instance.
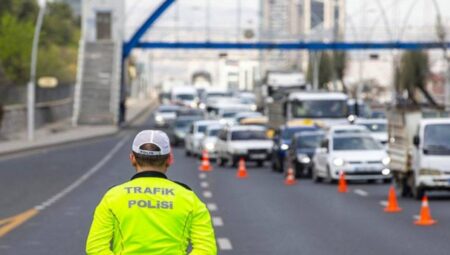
{"type": "Point", "coordinates": [326, 107]}
{"type": "Point", "coordinates": [276, 81]}
{"type": "Point", "coordinates": [419, 150]}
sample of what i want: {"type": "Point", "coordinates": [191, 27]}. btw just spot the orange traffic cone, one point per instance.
{"type": "Point", "coordinates": [425, 215]}
{"type": "Point", "coordinates": [342, 186]}
{"type": "Point", "coordinates": [290, 177]}
{"type": "Point", "coordinates": [206, 165]}
{"type": "Point", "coordinates": [392, 205]}
{"type": "Point", "coordinates": [242, 170]}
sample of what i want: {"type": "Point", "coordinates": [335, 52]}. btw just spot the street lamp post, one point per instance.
{"type": "Point", "coordinates": [31, 86]}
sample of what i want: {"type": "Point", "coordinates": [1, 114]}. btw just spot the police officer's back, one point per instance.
{"type": "Point", "coordinates": [151, 214]}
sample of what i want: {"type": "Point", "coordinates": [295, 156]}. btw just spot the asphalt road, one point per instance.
{"type": "Point", "coordinates": [257, 215]}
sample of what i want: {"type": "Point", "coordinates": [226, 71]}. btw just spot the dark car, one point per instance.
{"type": "Point", "coordinates": [178, 130]}
{"type": "Point", "coordinates": [281, 142]}
{"type": "Point", "coordinates": [301, 152]}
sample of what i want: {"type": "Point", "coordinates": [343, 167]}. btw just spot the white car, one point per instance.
{"type": "Point", "coordinates": [165, 115]}
{"type": "Point", "coordinates": [377, 128]}
{"type": "Point", "coordinates": [193, 139]}
{"type": "Point", "coordinates": [346, 129]}
{"type": "Point", "coordinates": [209, 140]}
{"type": "Point", "coordinates": [247, 142]}
{"type": "Point", "coordinates": [359, 156]}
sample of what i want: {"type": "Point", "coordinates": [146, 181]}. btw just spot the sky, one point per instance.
{"type": "Point", "coordinates": [364, 19]}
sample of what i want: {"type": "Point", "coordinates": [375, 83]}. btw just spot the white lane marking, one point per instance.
{"type": "Point", "coordinates": [361, 192]}
{"type": "Point", "coordinates": [202, 175]}
{"type": "Point", "coordinates": [212, 207]}
{"type": "Point", "coordinates": [207, 194]}
{"type": "Point", "coordinates": [383, 203]}
{"type": "Point", "coordinates": [84, 177]}
{"type": "Point", "coordinates": [204, 184]}
{"type": "Point", "coordinates": [217, 221]}
{"type": "Point", "coordinates": [224, 244]}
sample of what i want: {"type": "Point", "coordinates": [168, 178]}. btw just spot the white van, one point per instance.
{"type": "Point", "coordinates": [184, 95]}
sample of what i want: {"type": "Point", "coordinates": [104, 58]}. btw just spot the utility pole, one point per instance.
{"type": "Point", "coordinates": [31, 86]}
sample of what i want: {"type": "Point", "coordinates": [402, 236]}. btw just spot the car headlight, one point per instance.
{"type": "Point", "coordinates": [254, 107]}
{"type": "Point", "coordinates": [209, 146]}
{"type": "Point", "coordinates": [284, 146]}
{"type": "Point", "coordinates": [338, 162]}
{"type": "Point", "coordinates": [159, 118]}
{"type": "Point", "coordinates": [193, 104]}
{"type": "Point", "coordinates": [427, 171]}
{"type": "Point", "coordinates": [386, 161]}
{"type": "Point", "coordinates": [202, 106]}
{"type": "Point", "coordinates": [303, 158]}
{"type": "Point", "coordinates": [386, 171]}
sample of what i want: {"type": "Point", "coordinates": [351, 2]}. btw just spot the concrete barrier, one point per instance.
{"type": "Point", "coordinates": [15, 116]}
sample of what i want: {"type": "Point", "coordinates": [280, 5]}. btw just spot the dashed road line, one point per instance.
{"type": "Point", "coordinates": [361, 192]}
{"type": "Point", "coordinates": [383, 203]}
{"type": "Point", "coordinates": [207, 194]}
{"type": "Point", "coordinates": [202, 175]}
{"type": "Point", "coordinates": [217, 221]}
{"type": "Point", "coordinates": [212, 207]}
{"type": "Point", "coordinates": [224, 244]}
{"type": "Point", "coordinates": [204, 184]}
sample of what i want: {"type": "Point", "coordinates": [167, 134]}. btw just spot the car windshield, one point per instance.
{"type": "Point", "coordinates": [229, 114]}
{"type": "Point", "coordinates": [202, 129]}
{"type": "Point", "coordinates": [247, 100]}
{"type": "Point", "coordinates": [355, 144]}
{"type": "Point", "coordinates": [437, 139]}
{"type": "Point", "coordinates": [185, 97]}
{"type": "Point", "coordinates": [182, 123]}
{"type": "Point", "coordinates": [218, 94]}
{"type": "Point", "coordinates": [320, 109]}
{"type": "Point", "coordinates": [289, 132]}
{"type": "Point", "coordinates": [167, 109]}
{"type": "Point", "coordinates": [248, 135]}
{"type": "Point", "coordinates": [375, 127]}
{"type": "Point", "coordinates": [213, 132]}
{"type": "Point", "coordinates": [350, 131]}
{"type": "Point", "coordinates": [309, 141]}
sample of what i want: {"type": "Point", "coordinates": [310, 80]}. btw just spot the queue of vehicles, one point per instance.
{"type": "Point", "coordinates": [315, 134]}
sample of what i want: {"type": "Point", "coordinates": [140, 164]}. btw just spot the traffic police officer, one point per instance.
{"type": "Point", "coordinates": [151, 214]}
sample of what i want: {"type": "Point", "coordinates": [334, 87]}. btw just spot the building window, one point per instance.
{"type": "Point", "coordinates": [103, 20]}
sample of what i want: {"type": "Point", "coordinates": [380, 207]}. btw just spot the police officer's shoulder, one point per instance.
{"type": "Point", "coordinates": [183, 185]}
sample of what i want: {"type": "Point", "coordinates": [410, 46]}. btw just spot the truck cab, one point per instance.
{"type": "Point", "coordinates": [324, 108]}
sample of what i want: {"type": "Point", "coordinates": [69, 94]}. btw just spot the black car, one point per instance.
{"type": "Point", "coordinates": [302, 149]}
{"type": "Point", "coordinates": [281, 144]}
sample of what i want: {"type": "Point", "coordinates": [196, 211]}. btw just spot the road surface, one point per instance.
{"type": "Point", "coordinates": [48, 197]}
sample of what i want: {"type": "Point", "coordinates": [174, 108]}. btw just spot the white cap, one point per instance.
{"type": "Point", "coordinates": [155, 137]}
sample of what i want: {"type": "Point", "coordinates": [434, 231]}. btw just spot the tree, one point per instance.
{"type": "Point", "coordinates": [15, 47]}
{"type": "Point", "coordinates": [340, 66]}
{"type": "Point", "coordinates": [325, 69]}
{"type": "Point", "coordinates": [411, 75]}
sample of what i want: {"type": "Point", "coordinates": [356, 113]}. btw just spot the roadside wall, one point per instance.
{"type": "Point", "coordinates": [52, 105]}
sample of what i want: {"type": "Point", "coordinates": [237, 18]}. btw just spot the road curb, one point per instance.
{"type": "Point", "coordinates": [114, 130]}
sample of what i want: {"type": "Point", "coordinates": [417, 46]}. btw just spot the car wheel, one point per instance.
{"type": "Point", "coordinates": [187, 152]}
{"type": "Point", "coordinates": [260, 163]}
{"type": "Point", "coordinates": [220, 161]}
{"type": "Point", "coordinates": [418, 192]}
{"type": "Point", "coordinates": [329, 178]}
{"type": "Point", "coordinates": [298, 170]}
{"type": "Point", "coordinates": [234, 162]}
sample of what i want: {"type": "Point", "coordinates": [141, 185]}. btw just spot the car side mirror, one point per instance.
{"type": "Point", "coordinates": [416, 141]}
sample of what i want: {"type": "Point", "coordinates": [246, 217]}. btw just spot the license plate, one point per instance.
{"type": "Point", "coordinates": [257, 156]}
{"type": "Point", "coordinates": [365, 169]}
